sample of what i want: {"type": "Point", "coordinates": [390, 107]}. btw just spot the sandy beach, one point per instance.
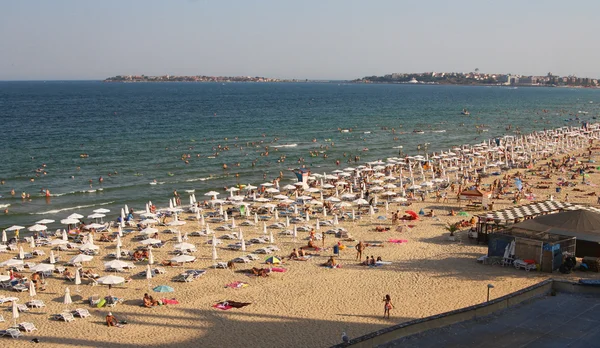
{"type": "Point", "coordinates": [306, 306]}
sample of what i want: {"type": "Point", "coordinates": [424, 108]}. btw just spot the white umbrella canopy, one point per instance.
{"type": "Point", "coordinates": [94, 226]}
{"type": "Point", "coordinates": [37, 228]}
{"type": "Point", "coordinates": [117, 264]}
{"type": "Point", "coordinates": [183, 258]}
{"type": "Point", "coordinates": [65, 236]}
{"type": "Point", "coordinates": [150, 241]}
{"type": "Point", "coordinates": [44, 221]}
{"type": "Point", "coordinates": [212, 193]}
{"type": "Point", "coordinates": [214, 250]}
{"type": "Point", "coordinates": [75, 216]}
{"type": "Point", "coordinates": [96, 216]}
{"type": "Point", "coordinates": [101, 210]}
{"type": "Point", "coordinates": [110, 280]}
{"type": "Point", "coordinates": [55, 242]}
{"type": "Point", "coordinates": [69, 221]}
{"type": "Point", "coordinates": [89, 246]}
{"type": "Point", "coordinates": [184, 246]}
{"type": "Point", "coordinates": [149, 230]}
{"type": "Point", "coordinates": [14, 228]}
{"type": "Point", "coordinates": [42, 267]}
{"type": "Point", "coordinates": [81, 258]}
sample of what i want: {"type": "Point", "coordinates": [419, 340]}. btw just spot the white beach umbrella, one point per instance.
{"type": "Point", "coordinates": [295, 232]}
{"type": "Point", "coordinates": [75, 216]}
{"type": "Point", "coordinates": [184, 246]}
{"type": "Point", "coordinates": [32, 292]}
{"type": "Point", "coordinates": [317, 225]}
{"type": "Point", "coordinates": [264, 228]}
{"type": "Point", "coordinates": [81, 258]}
{"type": "Point", "coordinates": [116, 264]}
{"type": "Point", "coordinates": [52, 259]}
{"type": "Point", "coordinates": [150, 257]}
{"type": "Point", "coordinates": [118, 252]}
{"type": "Point", "coordinates": [287, 221]}
{"type": "Point", "coordinates": [110, 280]}
{"type": "Point", "coordinates": [21, 253]}
{"type": "Point", "coordinates": [232, 222]}
{"type": "Point", "coordinates": [37, 228]}
{"type": "Point", "coordinates": [32, 243]}
{"type": "Point", "coordinates": [255, 218]}
{"type": "Point", "coordinates": [353, 215]}
{"type": "Point", "coordinates": [15, 312]}
{"type": "Point", "coordinates": [335, 220]}
{"type": "Point", "coordinates": [179, 239]}
{"type": "Point", "coordinates": [242, 240]}
{"type": "Point", "coordinates": [150, 241]}
{"type": "Point", "coordinates": [119, 242]}
{"type": "Point", "coordinates": [67, 300]}
{"type": "Point", "coordinates": [14, 228]}
{"type": "Point", "coordinates": [120, 230]}
{"type": "Point", "coordinates": [89, 246]}
{"type": "Point", "coordinates": [4, 239]}
{"type": "Point", "coordinates": [271, 238]}
{"type": "Point", "coordinates": [65, 237]}
{"type": "Point", "coordinates": [44, 221]}
{"type": "Point", "coordinates": [371, 210]}
{"type": "Point", "coordinates": [11, 262]}
{"type": "Point", "coordinates": [183, 258]}
{"type": "Point", "coordinates": [78, 277]}
{"type": "Point", "coordinates": [214, 248]}
{"type": "Point", "coordinates": [42, 267]}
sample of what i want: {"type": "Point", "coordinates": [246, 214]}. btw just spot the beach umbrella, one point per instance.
{"type": "Point", "coordinates": [387, 207]}
{"type": "Point", "coordinates": [184, 246]}
{"type": "Point", "coordinates": [335, 220]}
{"type": "Point", "coordinates": [324, 211]}
{"type": "Point", "coordinates": [21, 253]}
{"type": "Point", "coordinates": [67, 300]}
{"type": "Point", "coordinates": [179, 239]}
{"type": "Point", "coordinates": [148, 273]}
{"type": "Point", "coordinates": [80, 258]}
{"type": "Point", "coordinates": [44, 221]}
{"type": "Point", "coordinates": [101, 210]}
{"type": "Point", "coordinates": [202, 222]}
{"type": "Point", "coordinates": [271, 238]}
{"type": "Point", "coordinates": [126, 209]}
{"type": "Point", "coordinates": [276, 215]}
{"type": "Point", "coordinates": [150, 257]}
{"type": "Point", "coordinates": [183, 258]}
{"type": "Point", "coordinates": [120, 230]}
{"type": "Point", "coordinates": [149, 230]}
{"type": "Point", "coordinates": [65, 237]}
{"type": "Point", "coordinates": [32, 243]}
{"type": "Point", "coordinates": [4, 239]}
{"type": "Point", "coordinates": [214, 248]}
{"type": "Point", "coordinates": [32, 292]}
{"type": "Point", "coordinates": [15, 312]}
{"type": "Point", "coordinates": [273, 260]}
{"type": "Point", "coordinates": [89, 246]}
{"type": "Point", "coordinates": [163, 288]}
{"type": "Point", "coordinates": [307, 217]}
{"type": "Point", "coordinates": [317, 225]}
{"type": "Point", "coordinates": [295, 233]}
{"type": "Point", "coordinates": [150, 241]}
{"type": "Point", "coordinates": [110, 280]}
{"type": "Point", "coordinates": [264, 228]}
{"type": "Point", "coordinates": [221, 212]}
{"type": "Point", "coordinates": [77, 278]}
{"type": "Point", "coordinates": [232, 222]}
{"type": "Point", "coordinates": [287, 221]}
{"type": "Point", "coordinates": [225, 215]}
{"type": "Point", "coordinates": [242, 241]}
{"type": "Point", "coordinates": [42, 267]}
{"type": "Point", "coordinates": [118, 252]}
{"type": "Point", "coordinates": [119, 242]}
{"type": "Point", "coordinates": [116, 264]}
{"type": "Point", "coordinates": [15, 228]}
{"type": "Point", "coordinates": [295, 209]}
{"type": "Point", "coordinates": [255, 218]}
{"type": "Point", "coordinates": [353, 215]}
{"type": "Point", "coordinates": [37, 228]}
{"type": "Point", "coordinates": [371, 210]}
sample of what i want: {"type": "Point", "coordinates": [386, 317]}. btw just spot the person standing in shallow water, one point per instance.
{"type": "Point", "coordinates": [387, 306]}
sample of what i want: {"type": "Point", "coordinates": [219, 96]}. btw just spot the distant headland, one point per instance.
{"type": "Point", "coordinates": [197, 78]}
{"type": "Point", "coordinates": [477, 78]}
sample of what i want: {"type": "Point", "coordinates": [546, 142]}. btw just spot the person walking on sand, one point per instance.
{"type": "Point", "coordinates": [360, 247]}
{"type": "Point", "coordinates": [387, 306]}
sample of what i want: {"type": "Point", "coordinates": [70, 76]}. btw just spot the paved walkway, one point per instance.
{"type": "Point", "coordinates": [564, 320]}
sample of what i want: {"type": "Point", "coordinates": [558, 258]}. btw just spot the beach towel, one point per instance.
{"type": "Point", "coordinates": [278, 269]}
{"type": "Point", "coordinates": [237, 285]}
{"type": "Point", "coordinates": [166, 301]}
{"type": "Point", "coordinates": [226, 305]}
{"type": "Point", "coordinates": [398, 241]}
{"type": "Point", "coordinates": [383, 263]}
{"type": "Point", "coordinates": [222, 307]}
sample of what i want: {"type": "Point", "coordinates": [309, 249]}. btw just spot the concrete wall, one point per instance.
{"type": "Point", "coordinates": [419, 325]}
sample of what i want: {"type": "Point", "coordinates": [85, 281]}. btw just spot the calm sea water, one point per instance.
{"type": "Point", "coordinates": [141, 132]}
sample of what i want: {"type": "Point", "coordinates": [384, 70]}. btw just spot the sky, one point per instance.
{"type": "Point", "coordinates": [313, 39]}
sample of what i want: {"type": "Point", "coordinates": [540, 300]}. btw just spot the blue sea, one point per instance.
{"type": "Point", "coordinates": [134, 134]}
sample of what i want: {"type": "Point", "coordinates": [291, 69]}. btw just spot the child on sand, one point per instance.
{"type": "Point", "coordinates": [388, 305]}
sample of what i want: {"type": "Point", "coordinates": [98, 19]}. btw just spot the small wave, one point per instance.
{"type": "Point", "coordinates": [62, 194]}
{"type": "Point", "coordinates": [202, 179]}
{"type": "Point", "coordinates": [56, 211]}
{"type": "Point", "coordinates": [285, 145]}
{"type": "Point", "coordinates": [4, 205]}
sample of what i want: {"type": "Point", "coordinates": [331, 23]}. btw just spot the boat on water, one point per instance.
{"type": "Point", "coordinates": [465, 112]}
{"type": "Point", "coordinates": [417, 131]}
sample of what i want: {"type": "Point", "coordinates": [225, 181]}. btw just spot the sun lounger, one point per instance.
{"type": "Point", "coordinates": [247, 223]}
{"type": "Point", "coordinates": [241, 259]}
{"type": "Point", "coordinates": [236, 246]}
{"type": "Point", "coordinates": [27, 327]}
{"type": "Point", "coordinates": [38, 252]}
{"type": "Point", "coordinates": [66, 317]}
{"type": "Point", "coordinates": [20, 288]}
{"type": "Point", "coordinates": [184, 277]}
{"type": "Point", "coordinates": [94, 300]}
{"type": "Point", "coordinates": [12, 247]}
{"type": "Point", "coordinates": [228, 236]}
{"type": "Point", "coordinates": [14, 333]}
{"type": "Point", "coordinates": [272, 247]}
{"type": "Point", "coordinates": [263, 251]}
{"type": "Point", "coordinates": [36, 304]}
{"type": "Point", "coordinates": [253, 257]}
{"type": "Point", "coordinates": [22, 308]}
{"type": "Point", "coordinates": [82, 313]}
{"type": "Point", "coordinates": [4, 300]}
{"type": "Point", "coordinates": [222, 265]}
{"type": "Point", "coordinates": [196, 273]}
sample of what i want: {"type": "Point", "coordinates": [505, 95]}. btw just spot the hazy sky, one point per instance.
{"type": "Point", "coordinates": [315, 39]}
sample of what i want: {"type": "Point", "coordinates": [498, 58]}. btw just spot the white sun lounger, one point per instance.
{"type": "Point", "coordinates": [36, 304]}
{"type": "Point", "coordinates": [82, 313]}
{"type": "Point", "coordinates": [14, 333]}
{"type": "Point", "coordinates": [27, 327]}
